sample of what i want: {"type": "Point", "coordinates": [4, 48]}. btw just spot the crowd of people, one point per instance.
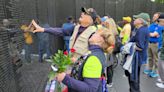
{"type": "Point", "coordinates": [137, 38]}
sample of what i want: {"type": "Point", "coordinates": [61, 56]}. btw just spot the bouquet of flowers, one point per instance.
{"type": "Point", "coordinates": [61, 61]}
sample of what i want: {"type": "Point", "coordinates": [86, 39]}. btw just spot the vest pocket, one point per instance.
{"type": "Point", "coordinates": [81, 49]}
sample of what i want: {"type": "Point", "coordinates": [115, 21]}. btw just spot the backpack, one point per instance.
{"type": "Point", "coordinates": [118, 44]}
{"type": "Point", "coordinates": [78, 67]}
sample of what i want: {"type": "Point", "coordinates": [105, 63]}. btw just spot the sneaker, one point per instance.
{"type": "Point", "coordinates": [147, 71]}
{"type": "Point", "coordinates": [160, 85]}
{"type": "Point", "coordinates": [159, 80]}
{"type": "Point", "coordinates": [153, 74]}
{"type": "Point", "coordinates": [48, 60]}
{"type": "Point", "coordinates": [110, 85]}
{"type": "Point", "coordinates": [27, 63]}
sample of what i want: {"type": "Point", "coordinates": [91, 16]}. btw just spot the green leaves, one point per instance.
{"type": "Point", "coordinates": [158, 1]}
{"type": "Point", "coordinates": [51, 75]}
{"type": "Point", "coordinates": [61, 60]}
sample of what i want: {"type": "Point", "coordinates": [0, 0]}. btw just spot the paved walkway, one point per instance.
{"type": "Point", "coordinates": [34, 77]}
{"type": "Point", "coordinates": [121, 82]}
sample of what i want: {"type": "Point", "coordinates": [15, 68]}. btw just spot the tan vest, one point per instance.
{"type": "Point", "coordinates": [81, 43]}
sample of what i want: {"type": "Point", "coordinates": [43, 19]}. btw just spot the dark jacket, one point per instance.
{"type": "Point", "coordinates": [68, 29]}
{"type": "Point", "coordinates": [141, 39]}
{"type": "Point", "coordinates": [88, 84]}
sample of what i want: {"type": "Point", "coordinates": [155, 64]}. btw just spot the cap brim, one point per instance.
{"type": "Point", "coordinates": [124, 18]}
{"type": "Point", "coordinates": [103, 19]}
{"type": "Point", "coordinates": [135, 16]}
{"type": "Point", "coordinates": [83, 9]}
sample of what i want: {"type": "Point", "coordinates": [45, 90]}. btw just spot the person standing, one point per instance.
{"type": "Point", "coordinates": [126, 31]}
{"type": "Point", "coordinates": [28, 43]}
{"type": "Point", "coordinates": [141, 39]}
{"type": "Point", "coordinates": [109, 23]}
{"type": "Point", "coordinates": [43, 44]}
{"type": "Point", "coordinates": [93, 68]}
{"type": "Point", "coordinates": [79, 39]}
{"type": "Point", "coordinates": [160, 83]}
{"type": "Point", "coordinates": [153, 48]}
{"type": "Point", "coordinates": [68, 28]}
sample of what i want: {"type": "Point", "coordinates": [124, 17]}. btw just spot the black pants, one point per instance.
{"type": "Point", "coordinates": [109, 74]}
{"type": "Point", "coordinates": [134, 85]}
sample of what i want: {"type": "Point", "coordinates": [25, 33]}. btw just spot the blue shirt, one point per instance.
{"type": "Point", "coordinates": [160, 29]}
{"type": "Point", "coordinates": [152, 28]}
{"type": "Point", "coordinates": [43, 37]}
{"type": "Point", "coordinates": [68, 29]}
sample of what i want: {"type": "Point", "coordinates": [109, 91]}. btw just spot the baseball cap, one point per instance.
{"type": "Point", "coordinates": [128, 19]}
{"type": "Point", "coordinates": [103, 19]}
{"type": "Point", "coordinates": [144, 16]}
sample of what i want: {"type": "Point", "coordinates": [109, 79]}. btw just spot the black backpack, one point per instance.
{"type": "Point", "coordinates": [77, 72]}
{"type": "Point", "coordinates": [78, 67]}
{"type": "Point", "coordinates": [118, 44]}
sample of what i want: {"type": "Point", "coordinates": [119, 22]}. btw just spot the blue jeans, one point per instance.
{"type": "Point", "coordinates": [44, 46]}
{"type": "Point", "coordinates": [66, 40]}
{"type": "Point", "coordinates": [27, 48]}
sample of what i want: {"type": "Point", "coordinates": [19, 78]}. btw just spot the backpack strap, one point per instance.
{"type": "Point", "coordinates": [80, 70]}
{"type": "Point", "coordinates": [78, 67]}
{"type": "Point", "coordinates": [77, 70]}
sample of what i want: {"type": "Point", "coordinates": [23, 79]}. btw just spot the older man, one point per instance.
{"type": "Point", "coordinates": [141, 39]}
{"type": "Point", "coordinates": [161, 56]}
{"type": "Point", "coordinates": [81, 34]}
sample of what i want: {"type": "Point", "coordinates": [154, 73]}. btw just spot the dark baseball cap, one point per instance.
{"type": "Point", "coordinates": [91, 12]}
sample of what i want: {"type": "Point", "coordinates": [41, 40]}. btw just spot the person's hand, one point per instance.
{"type": "Point", "coordinates": [37, 27]}
{"type": "Point", "coordinates": [137, 48]}
{"type": "Point", "coordinates": [73, 59]}
{"type": "Point", "coordinates": [60, 76]}
{"type": "Point", "coordinates": [68, 72]}
{"type": "Point", "coordinates": [30, 28]}
{"type": "Point", "coordinates": [26, 30]}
